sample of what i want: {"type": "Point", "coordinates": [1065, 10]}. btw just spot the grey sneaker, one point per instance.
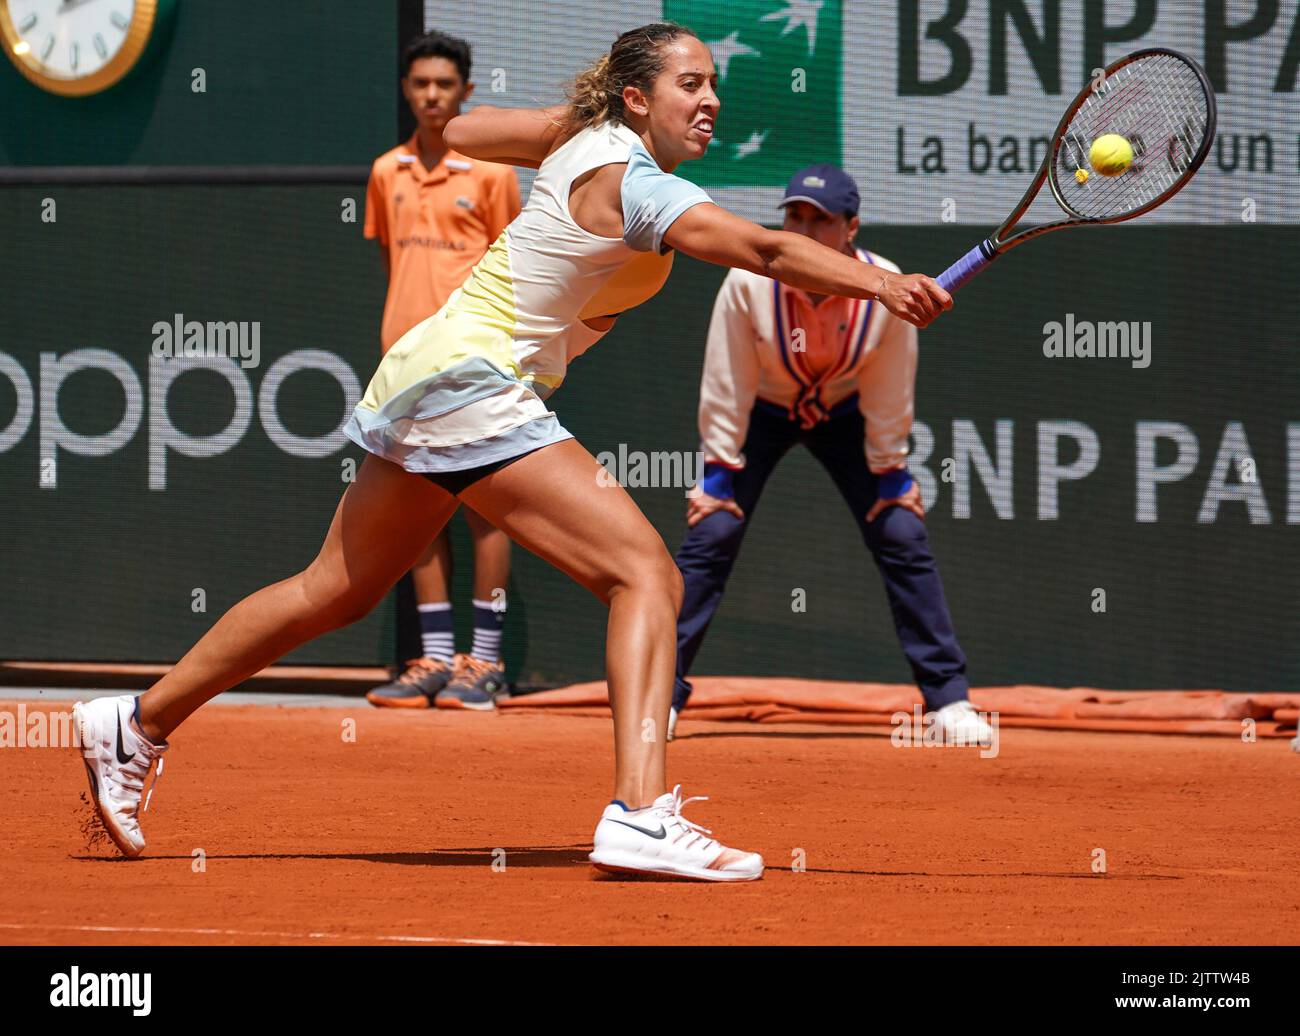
{"type": "Point", "coordinates": [475, 684]}
{"type": "Point", "coordinates": [414, 689]}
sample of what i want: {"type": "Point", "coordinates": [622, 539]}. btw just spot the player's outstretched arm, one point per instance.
{"type": "Point", "coordinates": [711, 233]}
{"type": "Point", "coordinates": [514, 136]}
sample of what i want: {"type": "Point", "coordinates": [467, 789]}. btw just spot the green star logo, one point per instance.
{"type": "Point", "coordinates": [779, 81]}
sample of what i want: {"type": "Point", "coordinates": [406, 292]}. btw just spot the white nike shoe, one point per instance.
{"type": "Point", "coordinates": [118, 758]}
{"type": "Point", "coordinates": [959, 724]}
{"type": "Point", "coordinates": [672, 724]}
{"type": "Point", "coordinates": [659, 840]}
{"type": "Point", "coordinates": [1295, 743]}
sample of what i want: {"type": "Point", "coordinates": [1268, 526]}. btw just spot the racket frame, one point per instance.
{"type": "Point", "coordinates": [997, 244]}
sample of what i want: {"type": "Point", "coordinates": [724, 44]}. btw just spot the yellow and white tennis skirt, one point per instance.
{"type": "Point", "coordinates": [449, 396]}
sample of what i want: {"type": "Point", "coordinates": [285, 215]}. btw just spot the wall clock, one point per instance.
{"type": "Point", "coordinates": [77, 47]}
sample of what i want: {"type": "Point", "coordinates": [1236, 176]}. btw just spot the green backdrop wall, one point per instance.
{"type": "Point", "coordinates": [99, 566]}
{"type": "Point", "coordinates": [101, 555]}
{"type": "Point", "coordinates": [287, 83]}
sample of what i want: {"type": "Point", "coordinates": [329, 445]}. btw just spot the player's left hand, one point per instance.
{"type": "Point", "coordinates": [911, 500]}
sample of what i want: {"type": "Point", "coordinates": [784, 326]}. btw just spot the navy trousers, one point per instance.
{"type": "Point", "coordinates": [897, 540]}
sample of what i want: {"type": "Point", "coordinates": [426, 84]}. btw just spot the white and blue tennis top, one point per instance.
{"type": "Point", "coordinates": [466, 386]}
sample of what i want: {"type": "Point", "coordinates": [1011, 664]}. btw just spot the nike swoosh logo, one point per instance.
{"type": "Point", "coordinates": [645, 831]}
{"type": "Point", "coordinates": [122, 757]}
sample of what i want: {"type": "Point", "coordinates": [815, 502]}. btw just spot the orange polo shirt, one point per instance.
{"type": "Point", "coordinates": [436, 224]}
{"type": "Point", "coordinates": [824, 326]}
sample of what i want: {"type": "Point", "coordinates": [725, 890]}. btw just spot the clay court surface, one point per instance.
{"type": "Point", "coordinates": [311, 839]}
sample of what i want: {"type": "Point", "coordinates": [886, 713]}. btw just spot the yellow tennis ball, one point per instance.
{"type": "Point", "coordinates": [1111, 154]}
{"type": "Point", "coordinates": [1081, 175]}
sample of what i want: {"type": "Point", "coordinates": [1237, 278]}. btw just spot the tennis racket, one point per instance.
{"type": "Point", "coordinates": [1158, 100]}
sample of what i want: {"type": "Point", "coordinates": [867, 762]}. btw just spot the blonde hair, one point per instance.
{"type": "Point", "coordinates": [635, 59]}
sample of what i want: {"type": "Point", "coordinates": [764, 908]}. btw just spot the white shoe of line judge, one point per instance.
{"type": "Point", "coordinates": [960, 724]}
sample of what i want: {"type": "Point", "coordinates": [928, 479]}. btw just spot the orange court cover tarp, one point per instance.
{"type": "Point", "coordinates": [782, 700]}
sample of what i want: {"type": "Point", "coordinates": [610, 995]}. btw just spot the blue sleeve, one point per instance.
{"type": "Point", "coordinates": [652, 199]}
{"type": "Point", "coordinates": [717, 481]}
{"type": "Point", "coordinates": [893, 484]}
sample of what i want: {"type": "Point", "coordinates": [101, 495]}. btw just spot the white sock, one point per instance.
{"type": "Point", "coordinates": [437, 637]}
{"type": "Point", "coordinates": [489, 617]}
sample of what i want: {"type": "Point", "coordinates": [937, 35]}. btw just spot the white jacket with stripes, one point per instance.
{"type": "Point", "coordinates": [750, 356]}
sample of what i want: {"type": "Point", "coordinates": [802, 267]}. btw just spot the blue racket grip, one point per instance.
{"type": "Point", "coordinates": [966, 267]}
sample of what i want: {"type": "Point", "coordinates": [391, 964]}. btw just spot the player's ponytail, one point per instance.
{"type": "Point", "coordinates": [589, 97]}
{"type": "Point", "coordinates": [635, 59]}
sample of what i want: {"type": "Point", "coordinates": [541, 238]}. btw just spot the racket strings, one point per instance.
{"type": "Point", "coordinates": [1158, 104]}
{"type": "Point", "coordinates": [1150, 118]}
{"type": "Point", "coordinates": [1166, 109]}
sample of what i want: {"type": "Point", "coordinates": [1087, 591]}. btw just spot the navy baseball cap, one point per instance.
{"type": "Point", "coordinates": [827, 186]}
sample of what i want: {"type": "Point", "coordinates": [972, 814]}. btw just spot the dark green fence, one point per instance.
{"type": "Point", "coordinates": [97, 565]}
{"type": "Point", "coordinates": [225, 84]}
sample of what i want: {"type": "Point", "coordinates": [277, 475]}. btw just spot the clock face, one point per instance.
{"type": "Point", "coordinates": [75, 46]}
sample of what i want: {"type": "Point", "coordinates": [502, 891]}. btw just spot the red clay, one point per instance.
{"type": "Point", "coordinates": [312, 839]}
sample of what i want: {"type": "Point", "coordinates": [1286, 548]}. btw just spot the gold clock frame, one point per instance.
{"type": "Point", "coordinates": [143, 19]}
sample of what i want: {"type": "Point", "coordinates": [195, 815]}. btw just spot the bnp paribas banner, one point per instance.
{"type": "Point", "coordinates": [941, 109]}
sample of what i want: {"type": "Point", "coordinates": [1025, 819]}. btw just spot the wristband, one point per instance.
{"type": "Point", "coordinates": [717, 481]}
{"type": "Point", "coordinates": [894, 484]}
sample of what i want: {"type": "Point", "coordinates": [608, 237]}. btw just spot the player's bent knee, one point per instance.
{"type": "Point", "coordinates": [334, 604]}
{"type": "Point", "coordinates": [676, 585]}
{"type": "Point", "coordinates": [656, 575]}
{"type": "Point", "coordinates": [342, 611]}
{"type": "Point", "coordinates": [352, 608]}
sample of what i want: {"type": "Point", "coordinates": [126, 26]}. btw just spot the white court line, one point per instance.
{"type": "Point", "coordinates": [271, 935]}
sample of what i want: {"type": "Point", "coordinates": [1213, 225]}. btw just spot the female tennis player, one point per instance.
{"type": "Point", "coordinates": [456, 413]}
